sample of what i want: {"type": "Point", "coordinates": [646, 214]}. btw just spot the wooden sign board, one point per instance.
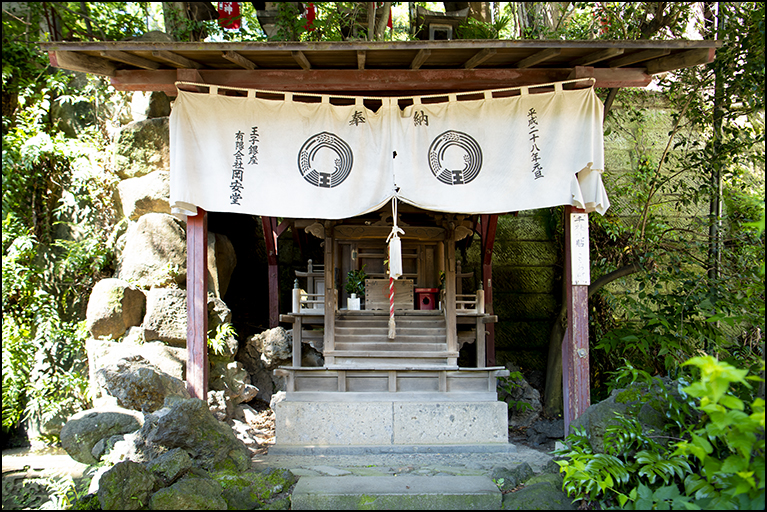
{"type": "Point", "coordinates": [377, 294]}
{"type": "Point", "coordinates": [579, 248]}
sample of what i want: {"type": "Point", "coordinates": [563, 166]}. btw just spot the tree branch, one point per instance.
{"type": "Point", "coordinates": [626, 270]}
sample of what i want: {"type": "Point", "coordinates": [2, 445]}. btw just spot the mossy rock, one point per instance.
{"type": "Point", "coordinates": [249, 490]}
{"type": "Point", "coordinates": [189, 493]}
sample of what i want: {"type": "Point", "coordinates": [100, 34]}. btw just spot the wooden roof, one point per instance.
{"type": "Point", "coordinates": [384, 67]}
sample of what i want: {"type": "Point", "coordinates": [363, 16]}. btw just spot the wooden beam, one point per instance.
{"type": "Point", "coordinates": [176, 60]}
{"type": "Point", "coordinates": [197, 304]}
{"type": "Point", "coordinates": [238, 59]}
{"type": "Point", "coordinates": [356, 81]}
{"type": "Point", "coordinates": [479, 57]}
{"type": "Point", "coordinates": [575, 346]}
{"type": "Point", "coordinates": [361, 57]}
{"type": "Point", "coordinates": [420, 58]}
{"type": "Point", "coordinates": [129, 58]}
{"type": "Point", "coordinates": [597, 57]}
{"type": "Point", "coordinates": [81, 62]}
{"type": "Point", "coordinates": [538, 57]}
{"type": "Point", "coordinates": [639, 57]}
{"type": "Point", "coordinates": [681, 60]}
{"type": "Point", "coordinates": [302, 60]}
{"type": "Point", "coordinates": [581, 72]}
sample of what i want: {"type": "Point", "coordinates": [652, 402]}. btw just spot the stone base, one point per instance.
{"type": "Point", "coordinates": [389, 424]}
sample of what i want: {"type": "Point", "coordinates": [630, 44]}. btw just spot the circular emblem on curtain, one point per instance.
{"type": "Point", "coordinates": [325, 160]}
{"type": "Point", "coordinates": [455, 158]}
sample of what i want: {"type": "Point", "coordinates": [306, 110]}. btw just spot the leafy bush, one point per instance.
{"type": "Point", "coordinates": [709, 456]}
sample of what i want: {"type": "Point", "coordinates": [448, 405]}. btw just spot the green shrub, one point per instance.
{"type": "Point", "coordinates": [709, 456]}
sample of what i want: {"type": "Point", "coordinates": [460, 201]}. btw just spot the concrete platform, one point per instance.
{"type": "Point", "coordinates": [392, 449]}
{"type": "Point", "coordinates": [396, 492]}
{"type": "Point", "coordinates": [390, 423]}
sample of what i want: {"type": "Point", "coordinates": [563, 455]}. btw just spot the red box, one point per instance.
{"type": "Point", "coordinates": [426, 298]}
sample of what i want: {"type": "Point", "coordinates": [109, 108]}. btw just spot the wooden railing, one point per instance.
{"type": "Point", "coordinates": [471, 303]}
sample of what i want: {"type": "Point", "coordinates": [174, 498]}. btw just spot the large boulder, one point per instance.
{"type": "Point", "coordinates": [143, 147]}
{"type": "Point", "coordinates": [509, 478]}
{"type": "Point", "coordinates": [229, 386]}
{"type": "Point", "coordinates": [154, 252]}
{"type": "Point", "coordinates": [126, 486]}
{"type": "Point", "coordinates": [146, 194]}
{"type": "Point", "coordinates": [190, 425]}
{"type": "Point", "coordinates": [260, 377]}
{"type": "Point", "coordinates": [542, 492]}
{"type": "Point", "coordinates": [221, 262]}
{"type": "Point", "coordinates": [275, 347]}
{"type": "Point", "coordinates": [85, 429]}
{"type": "Point", "coordinates": [138, 385]}
{"type": "Point", "coordinates": [524, 401]}
{"type": "Point", "coordinates": [101, 354]}
{"type": "Point", "coordinates": [262, 353]}
{"type": "Point", "coordinates": [634, 401]}
{"type": "Point", "coordinates": [113, 307]}
{"type": "Point", "coordinates": [166, 316]}
{"type": "Point", "coordinates": [254, 490]}
{"type": "Point", "coordinates": [193, 492]}
{"type": "Point", "coordinates": [170, 466]}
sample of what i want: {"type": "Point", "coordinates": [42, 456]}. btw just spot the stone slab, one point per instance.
{"type": "Point", "coordinates": [450, 423]}
{"type": "Point", "coordinates": [333, 423]}
{"type": "Point", "coordinates": [407, 492]}
{"type": "Point", "coordinates": [381, 424]}
{"type": "Point", "coordinates": [442, 449]}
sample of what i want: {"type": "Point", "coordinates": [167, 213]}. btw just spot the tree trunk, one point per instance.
{"type": "Point", "coordinates": [715, 205]}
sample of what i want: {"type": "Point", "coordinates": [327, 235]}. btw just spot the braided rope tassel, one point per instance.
{"type": "Point", "coordinates": [392, 325]}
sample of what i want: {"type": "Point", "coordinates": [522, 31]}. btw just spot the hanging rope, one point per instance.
{"type": "Point", "coordinates": [395, 265]}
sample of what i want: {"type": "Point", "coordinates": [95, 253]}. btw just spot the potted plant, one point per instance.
{"type": "Point", "coordinates": [355, 287]}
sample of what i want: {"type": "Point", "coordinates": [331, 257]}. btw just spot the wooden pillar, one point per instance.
{"type": "Point", "coordinates": [488, 226]}
{"type": "Point", "coordinates": [450, 298]}
{"type": "Point", "coordinates": [330, 299]}
{"type": "Point", "coordinates": [575, 346]}
{"type": "Point", "coordinates": [270, 238]}
{"type": "Point", "coordinates": [197, 304]}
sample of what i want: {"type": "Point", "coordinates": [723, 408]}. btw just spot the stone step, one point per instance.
{"type": "Point", "coordinates": [388, 346]}
{"type": "Point", "coordinates": [401, 330]}
{"type": "Point", "coordinates": [404, 492]}
{"type": "Point", "coordinates": [425, 358]}
{"type": "Point", "coordinates": [383, 337]}
{"type": "Point", "coordinates": [377, 326]}
{"type": "Point", "coordinates": [383, 321]}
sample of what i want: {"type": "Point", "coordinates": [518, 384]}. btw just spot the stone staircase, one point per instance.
{"type": "Point", "coordinates": [362, 341]}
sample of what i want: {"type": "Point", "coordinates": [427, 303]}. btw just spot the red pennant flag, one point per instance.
{"type": "Point", "coordinates": [310, 16]}
{"type": "Point", "coordinates": [229, 15]}
{"type": "Point", "coordinates": [389, 24]}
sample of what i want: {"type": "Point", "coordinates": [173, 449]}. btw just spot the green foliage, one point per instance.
{"type": "Point", "coordinates": [355, 282]}
{"type": "Point", "coordinates": [474, 29]}
{"type": "Point", "coordinates": [507, 385]}
{"type": "Point", "coordinates": [217, 338]}
{"type": "Point", "coordinates": [55, 195]}
{"type": "Point", "coordinates": [710, 454]}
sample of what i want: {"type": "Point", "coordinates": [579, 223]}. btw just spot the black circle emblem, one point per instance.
{"type": "Point", "coordinates": [455, 158]}
{"type": "Point", "coordinates": [320, 168]}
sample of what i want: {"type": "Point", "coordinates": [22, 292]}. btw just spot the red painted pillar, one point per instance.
{"type": "Point", "coordinates": [270, 238]}
{"type": "Point", "coordinates": [488, 225]}
{"type": "Point", "coordinates": [197, 304]}
{"type": "Point", "coordinates": [575, 346]}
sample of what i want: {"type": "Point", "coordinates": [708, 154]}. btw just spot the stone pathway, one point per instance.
{"type": "Point", "coordinates": [390, 464]}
